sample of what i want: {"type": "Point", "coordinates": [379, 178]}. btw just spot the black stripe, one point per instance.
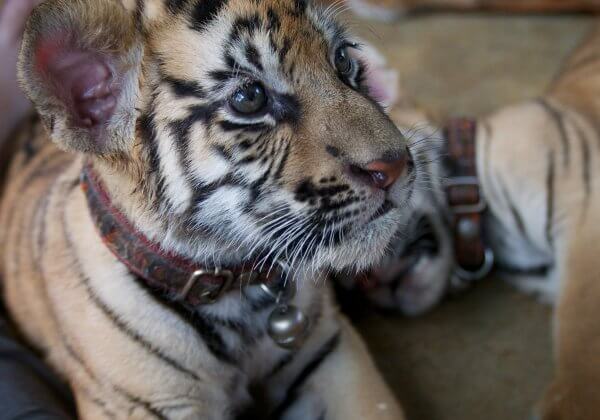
{"type": "Point", "coordinates": [300, 7]}
{"type": "Point", "coordinates": [234, 69]}
{"type": "Point", "coordinates": [248, 24]}
{"type": "Point", "coordinates": [586, 158]}
{"type": "Point", "coordinates": [102, 406]}
{"type": "Point", "coordinates": [286, 108]}
{"type": "Point", "coordinates": [137, 400]}
{"type": "Point", "coordinates": [253, 56]}
{"type": "Point", "coordinates": [282, 161]}
{"type": "Point", "coordinates": [131, 333]}
{"type": "Point", "coordinates": [180, 129]}
{"type": "Point", "coordinates": [291, 72]}
{"type": "Point", "coordinates": [149, 137]}
{"type": "Point", "coordinates": [284, 50]}
{"type": "Point", "coordinates": [31, 145]}
{"type": "Point", "coordinates": [285, 360]}
{"type": "Point", "coordinates": [204, 12]}
{"type": "Point", "coordinates": [309, 369]}
{"type": "Point", "coordinates": [256, 186]}
{"type": "Point", "coordinates": [203, 191]}
{"type": "Point", "coordinates": [307, 189]}
{"type": "Point", "coordinates": [203, 113]}
{"type": "Point", "coordinates": [249, 127]}
{"type": "Point", "coordinates": [272, 43]}
{"type": "Point", "coordinates": [360, 81]}
{"type": "Point", "coordinates": [246, 143]}
{"type": "Point", "coordinates": [127, 395]}
{"type": "Point", "coordinates": [273, 21]}
{"type": "Point", "coordinates": [264, 143]}
{"type": "Point", "coordinates": [184, 88]}
{"type": "Point", "coordinates": [230, 61]}
{"type": "Point", "coordinates": [550, 197]}
{"type": "Point", "coordinates": [41, 223]}
{"type": "Point", "coordinates": [62, 336]}
{"type": "Point", "coordinates": [246, 160]}
{"type": "Point", "coordinates": [222, 151]}
{"type": "Point", "coordinates": [113, 317]}
{"type": "Point", "coordinates": [41, 239]}
{"type": "Point", "coordinates": [139, 14]}
{"type": "Point", "coordinates": [249, 334]}
{"type": "Point", "coordinates": [558, 118]}
{"type": "Point", "coordinates": [488, 138]}
{"type": "Point", "coordinates": [205, 329]}
{"type": "Point", "coordinates": [513, 209]}
{"type": "Point", "coordinates": [49, 166]}
{"type": "Point", "coordinates": [176, 6]}
{"type": "Point", "coordinates": [220, 76]}
{"type": "Point", "coordinates": [518, 219]}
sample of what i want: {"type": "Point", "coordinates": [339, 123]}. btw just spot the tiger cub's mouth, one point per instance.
{"type": "Point", "coordinates": [368, 237]}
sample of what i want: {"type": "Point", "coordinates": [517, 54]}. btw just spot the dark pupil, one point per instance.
{"type": "Point", "coordinates": [342, 61]}
{"type": "Point", "coordinates": [249, 99]}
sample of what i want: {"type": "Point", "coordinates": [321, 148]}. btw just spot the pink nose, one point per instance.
{"type": "Point", "coordinates": [380, 173]}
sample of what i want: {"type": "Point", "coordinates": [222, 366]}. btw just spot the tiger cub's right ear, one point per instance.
{"type": "Point", "coordinates": [80, 65]}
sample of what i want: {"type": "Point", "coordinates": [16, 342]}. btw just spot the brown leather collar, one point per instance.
{"type": "Point", "coordinates": [174, 275]}
{"type": "Point", "coordinates": [473, 258]}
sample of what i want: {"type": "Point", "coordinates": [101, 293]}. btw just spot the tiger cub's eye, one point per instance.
{"type": "Point", "coordinates": [249, 99]}
{"type": "Point", "coordinates": [343, 62]}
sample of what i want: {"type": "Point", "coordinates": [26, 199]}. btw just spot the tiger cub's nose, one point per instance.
{"type": "Point", "coordinates": [380, 173]}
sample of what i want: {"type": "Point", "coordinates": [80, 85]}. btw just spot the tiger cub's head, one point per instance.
{"type": "Point", "coordinates": [246, 126]}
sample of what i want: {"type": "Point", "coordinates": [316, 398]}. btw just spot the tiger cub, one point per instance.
{"type": "Point", "coordinates": [222, 134]}
{"type": "Point", "coordinates": [538, 164]}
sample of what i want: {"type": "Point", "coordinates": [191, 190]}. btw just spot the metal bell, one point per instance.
{"type": "Point", "coordinates": [288, 326]}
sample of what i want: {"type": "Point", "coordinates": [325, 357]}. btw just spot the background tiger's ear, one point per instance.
{"type": "Point", "coordinates": [80, 64]}
{"type": "Point", "coordinates": [381, 80]}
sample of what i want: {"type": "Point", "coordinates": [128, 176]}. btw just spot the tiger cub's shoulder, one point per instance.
{"type": "Point", "coordinates": [27, 142]}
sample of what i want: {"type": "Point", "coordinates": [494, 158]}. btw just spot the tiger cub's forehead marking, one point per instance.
{"type": "Point", "coordinates": [261, 37]}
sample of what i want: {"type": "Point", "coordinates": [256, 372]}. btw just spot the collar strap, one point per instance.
{"type": "Point", "coordinates": [174, 275]}
{"type": "Point", "coordinates": [474, 259]}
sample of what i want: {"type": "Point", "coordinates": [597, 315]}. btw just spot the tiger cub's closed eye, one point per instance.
{"type": "Point", "coordinates": [249, 99]}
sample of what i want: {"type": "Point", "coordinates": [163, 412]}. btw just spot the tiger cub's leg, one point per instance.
{"type": "Point", "coordinates": [575, 391]}
{"type": "Point", "coordinates": [340, 383]}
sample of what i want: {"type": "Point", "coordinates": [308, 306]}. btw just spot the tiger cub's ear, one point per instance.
{"type": "Point", "coordinates": [80, 65]}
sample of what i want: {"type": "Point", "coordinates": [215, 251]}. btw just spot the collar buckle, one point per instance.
{"type": "Point", "coordinates": [210, 291]}
{"type": "Point", "coordinates": [464, 197]}
{"type": "Point", "coordinates": [466, 184]}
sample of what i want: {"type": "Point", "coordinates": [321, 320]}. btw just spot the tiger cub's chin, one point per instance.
{"type": "Point", "coordinates": [367, 245]}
